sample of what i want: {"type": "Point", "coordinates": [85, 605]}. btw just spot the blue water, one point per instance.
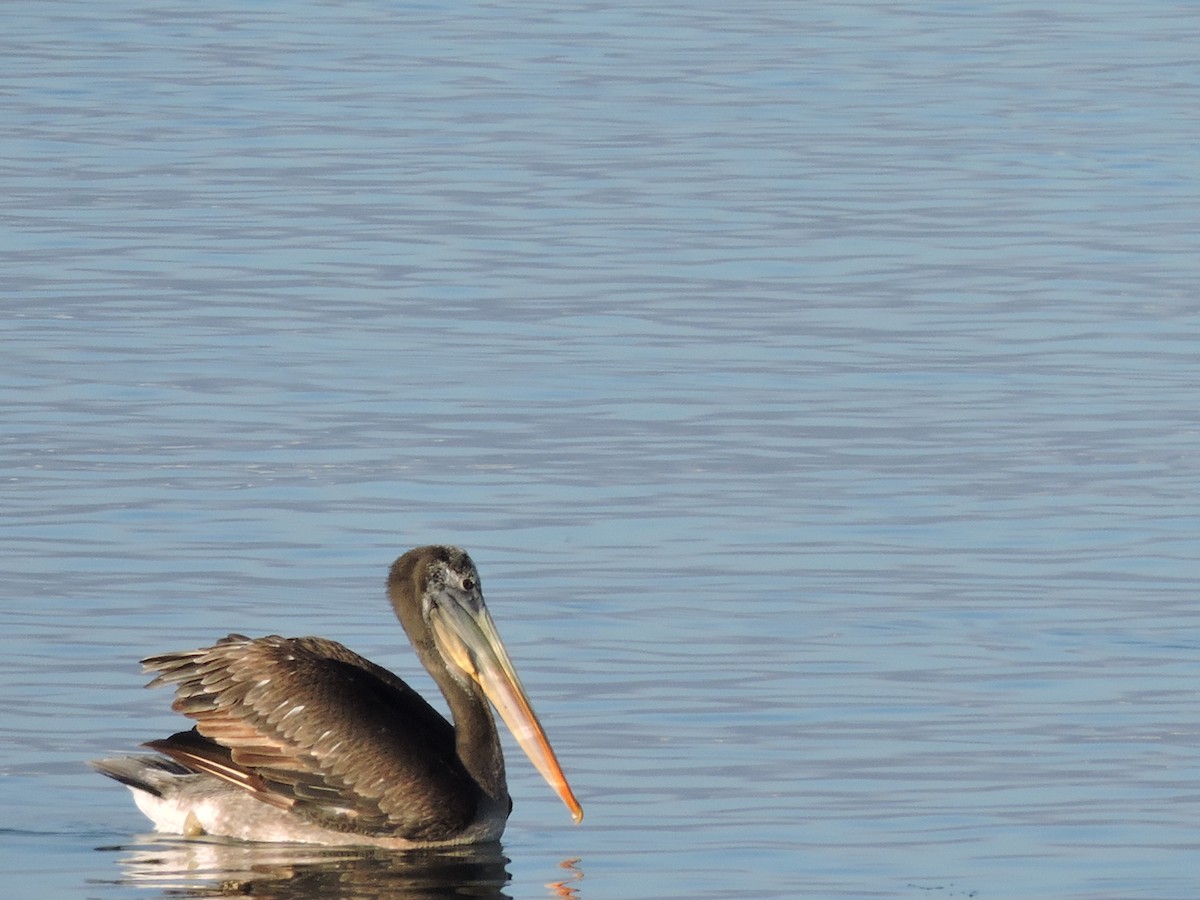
{"type": "Point", "coordinates": [815, 386]}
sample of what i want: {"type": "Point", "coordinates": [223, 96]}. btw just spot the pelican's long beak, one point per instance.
{"type": "Point", "coordinates": [469, 638]}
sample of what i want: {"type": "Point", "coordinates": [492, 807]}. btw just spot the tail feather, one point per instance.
{"type": "Point", "coordinates": [152, 774]}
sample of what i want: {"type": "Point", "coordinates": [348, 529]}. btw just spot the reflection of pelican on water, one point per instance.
{"type": "Point", "coordinates": [301, 739]}
{"type": "Point", "coordinates": [219, 868]}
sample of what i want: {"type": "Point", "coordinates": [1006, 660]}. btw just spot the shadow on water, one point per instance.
{"type": "Point", "coordinates": [203, 868]}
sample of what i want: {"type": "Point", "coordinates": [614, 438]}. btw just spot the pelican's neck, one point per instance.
{"type": "Point", "coordinates": [475, 736]}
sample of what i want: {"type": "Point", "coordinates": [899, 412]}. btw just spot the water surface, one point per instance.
{"type": "Point", "coordinates": [814, 385]}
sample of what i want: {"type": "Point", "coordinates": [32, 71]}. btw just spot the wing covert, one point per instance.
{"type": "Point", "coordinates": [308, 725]}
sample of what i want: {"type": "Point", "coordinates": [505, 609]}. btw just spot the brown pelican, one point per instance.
{"type": "Point", "coordinates": [301, 739]}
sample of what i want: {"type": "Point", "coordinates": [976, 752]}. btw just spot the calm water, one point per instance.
{"type": "Point", "coordinates": [816, 386]}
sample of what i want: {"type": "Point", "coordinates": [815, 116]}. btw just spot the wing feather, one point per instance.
{"type": "Point", "coordinates": [308, 725]}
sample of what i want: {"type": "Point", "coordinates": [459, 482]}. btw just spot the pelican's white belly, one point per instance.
{"type": "Point", "coordinates": [198, 810]}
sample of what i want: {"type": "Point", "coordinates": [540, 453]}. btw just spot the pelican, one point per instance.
{"type": "Point", "coordinates": [301, 739]}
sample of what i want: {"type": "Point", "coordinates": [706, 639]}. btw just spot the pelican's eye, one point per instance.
{"type": "Point", "coordinates": [468, 584]}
